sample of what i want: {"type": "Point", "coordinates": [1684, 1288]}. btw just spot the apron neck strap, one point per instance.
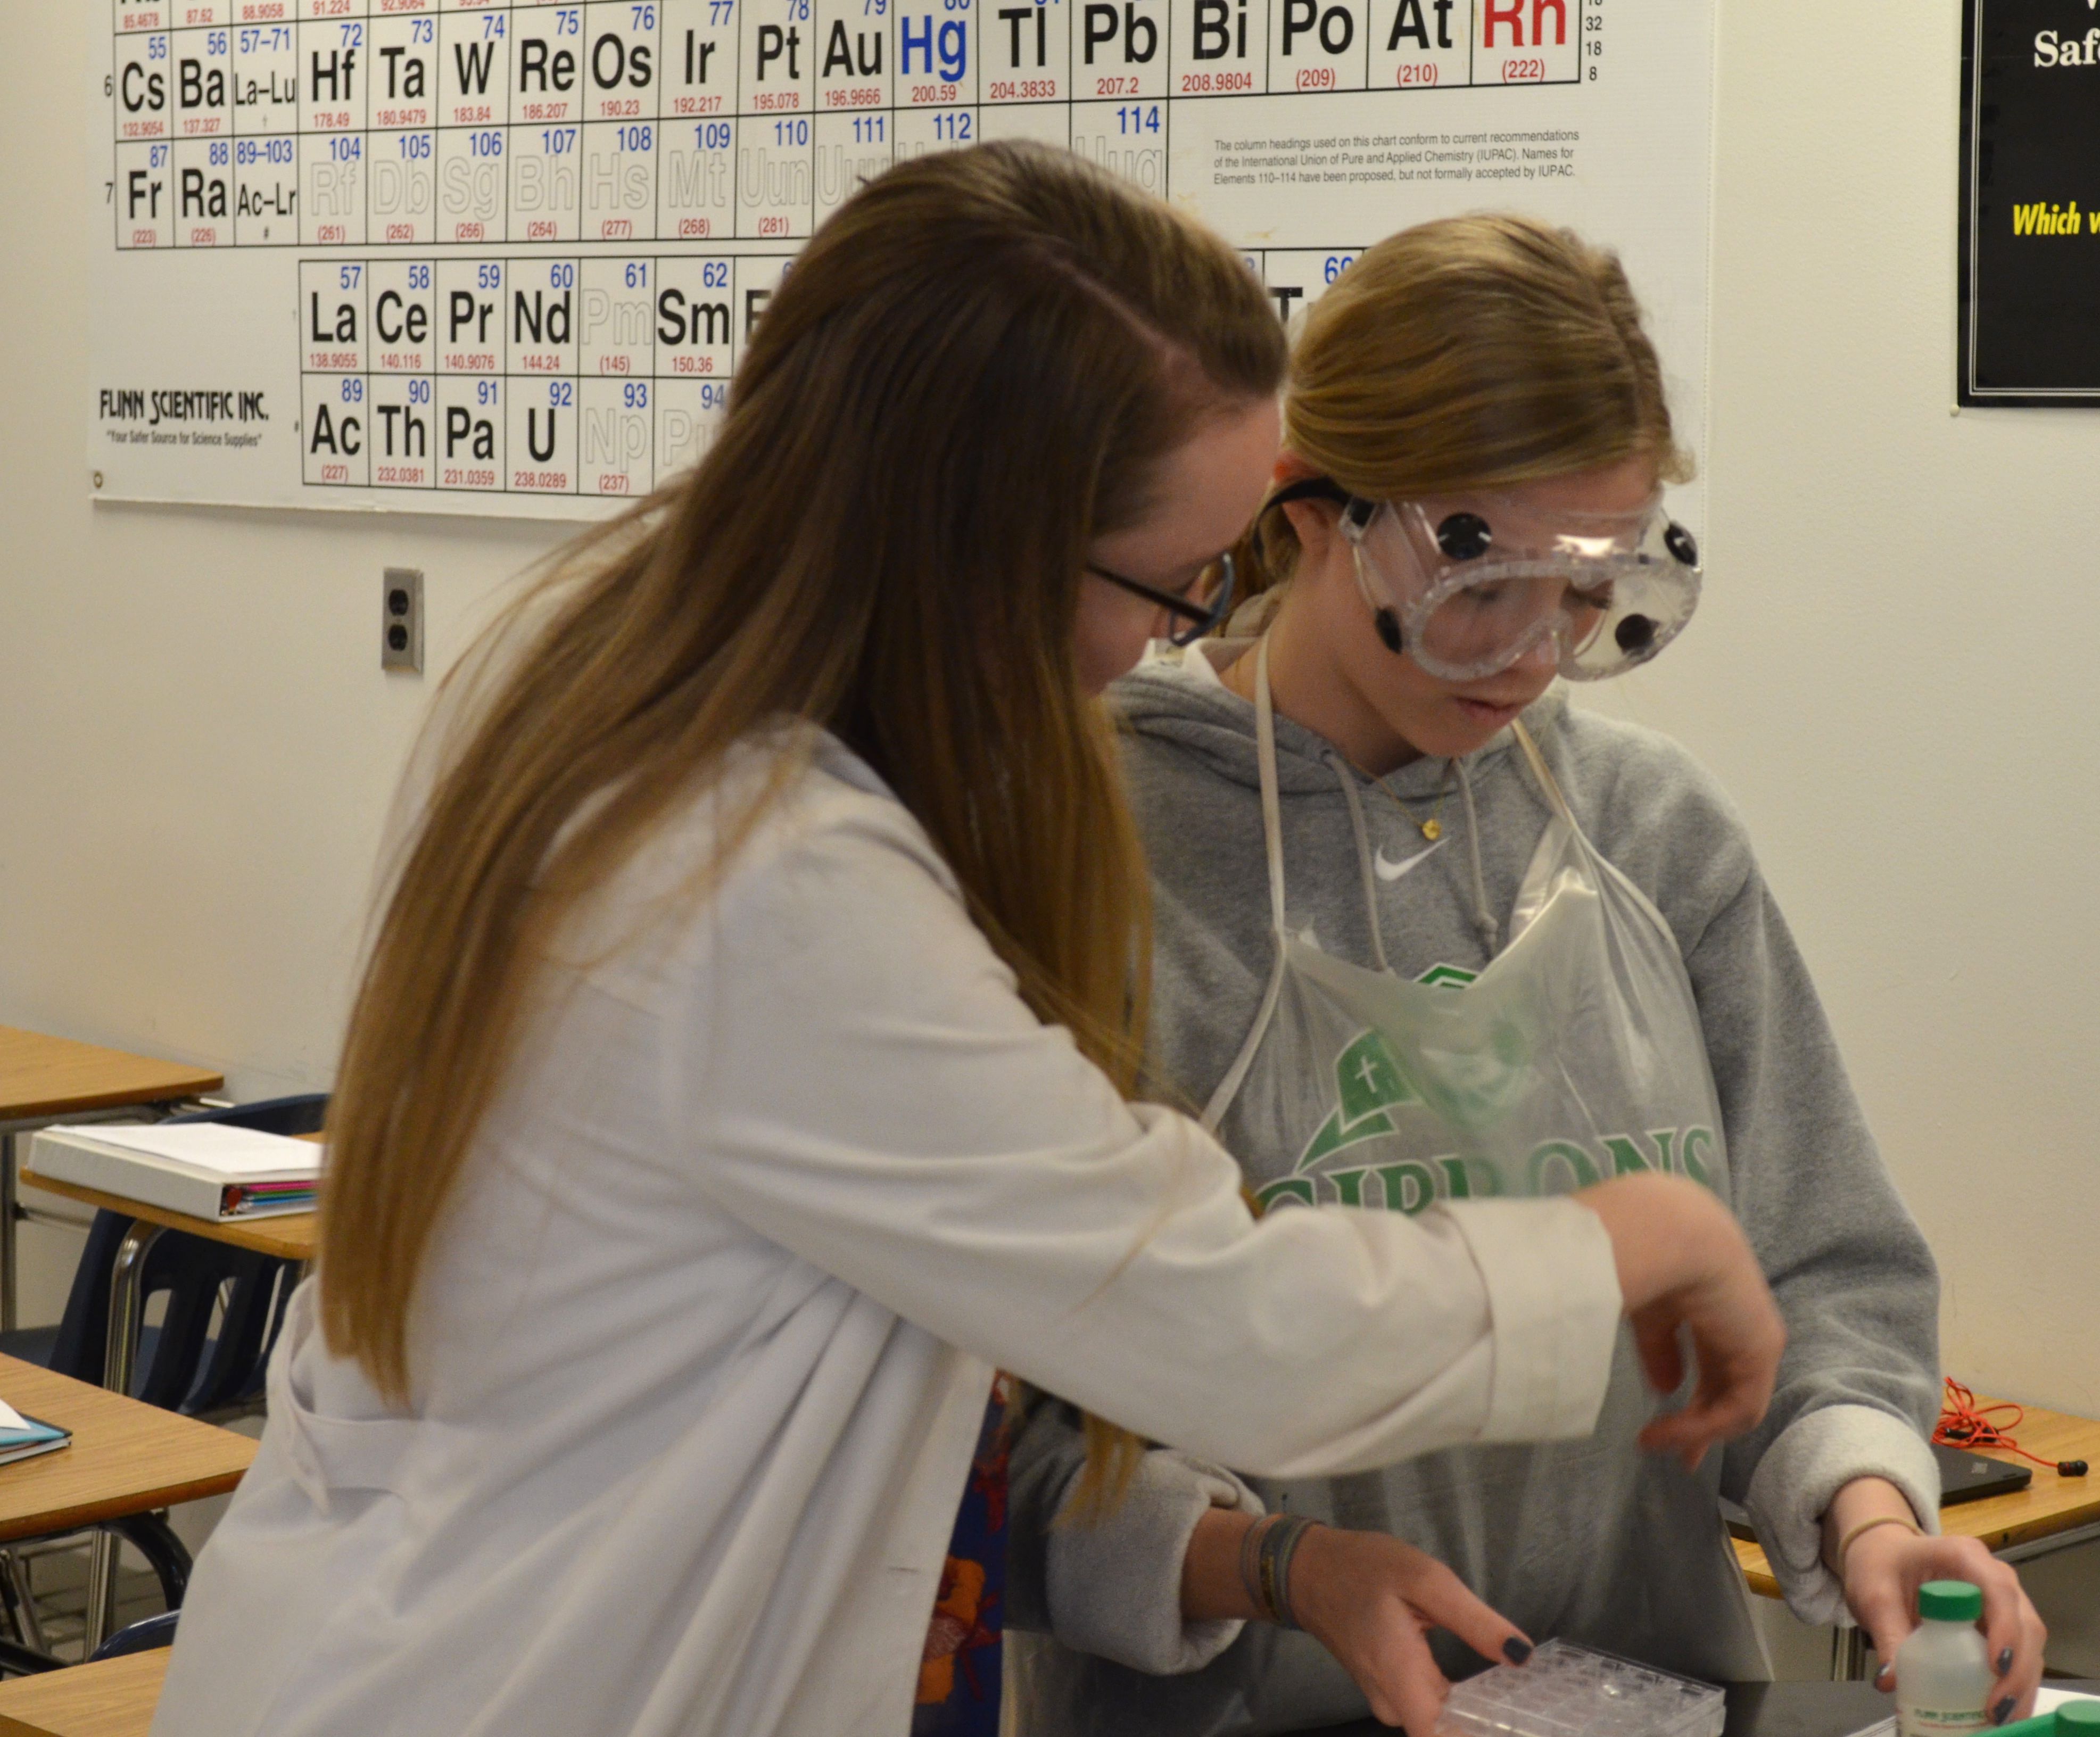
{"type": "Point", "coordinates": [1272, 806]}
{"type": "Point", "coordinates": [1271, 824]}
{"type": "Point", "coordinates": [1547, 783]}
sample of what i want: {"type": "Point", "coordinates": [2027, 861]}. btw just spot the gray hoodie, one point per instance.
{"type": "Point", "coordinates": [1593, 1541]}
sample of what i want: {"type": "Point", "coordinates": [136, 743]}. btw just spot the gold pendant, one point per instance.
{"type": "Point", "coordinates": [1432, 830]}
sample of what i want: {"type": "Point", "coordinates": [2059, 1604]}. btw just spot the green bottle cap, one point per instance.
{"type": "Point", "coordinates": [1950, 1601]}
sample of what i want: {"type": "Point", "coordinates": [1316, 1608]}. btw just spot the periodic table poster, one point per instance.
{"type": "Point", "coordinates": [501, 256]}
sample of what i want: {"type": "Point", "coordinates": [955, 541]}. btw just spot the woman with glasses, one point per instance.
{"type": "Point", "coordinates": [1383, 841]}
{"type": "Point", "coordinates": [740, 1073]}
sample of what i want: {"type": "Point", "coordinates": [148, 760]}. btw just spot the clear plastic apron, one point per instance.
{"type": "Point", "coordinates": [1577, 1054]}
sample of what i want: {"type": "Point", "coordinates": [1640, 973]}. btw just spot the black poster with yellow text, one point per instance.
{"type": "Point", "coordinates": [2030, 289]}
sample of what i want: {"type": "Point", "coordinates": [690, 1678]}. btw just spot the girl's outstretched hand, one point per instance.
{"type": "Point", "coordinates": [1689, 1281]}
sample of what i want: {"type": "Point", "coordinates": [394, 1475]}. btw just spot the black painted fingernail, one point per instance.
{"type": "Point", "coordinates": [1516, 1651]}
{"type": "Point", "coordinates": [2002, 1711]}
{"type": "Point", "coordinates": [2005, 1661]}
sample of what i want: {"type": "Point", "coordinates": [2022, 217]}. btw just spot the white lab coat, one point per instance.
{"type": "Point", "coordinates": [703, 1345]}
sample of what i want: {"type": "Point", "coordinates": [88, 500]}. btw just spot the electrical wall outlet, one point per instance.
{"type": "Point", "coordinates": [401, 620]}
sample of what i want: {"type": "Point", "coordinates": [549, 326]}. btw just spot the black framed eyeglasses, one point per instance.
{"type": "Point", "coordinates": [1199, 618]}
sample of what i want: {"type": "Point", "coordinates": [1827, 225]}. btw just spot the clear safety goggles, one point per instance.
{"type": "Point", "coordinates": [1469, 586]}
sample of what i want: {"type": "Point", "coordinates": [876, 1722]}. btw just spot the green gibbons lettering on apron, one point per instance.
{"type": "Point", "coordinates": [1575, 1056]}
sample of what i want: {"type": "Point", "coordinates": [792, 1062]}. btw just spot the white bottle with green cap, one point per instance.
{"type": "Point", "coordinates": [1943, 1670]}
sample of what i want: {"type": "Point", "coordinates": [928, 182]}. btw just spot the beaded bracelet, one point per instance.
{"type": "Point", "coordinates": [1250, 1554]}
{"type": "Point", "coordinates": [1278, 1547]}
{"type": "Point", "coordinates": [1266, 1550]}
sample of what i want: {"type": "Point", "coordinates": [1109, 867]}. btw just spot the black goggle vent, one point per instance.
{"type": "Point", "coordinates": [1635, 634]}
{"type": "Point", "coordinates": [1465, 536]}
{"type": "Point", "coordinates": [1681, 544]}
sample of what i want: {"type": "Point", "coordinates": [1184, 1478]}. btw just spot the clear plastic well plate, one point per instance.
{"type": "Point", "coordinates": [1568, 1691]}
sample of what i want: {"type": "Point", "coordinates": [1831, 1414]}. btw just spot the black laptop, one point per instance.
{"type": "Point", "coordinates": [1963, 1477]}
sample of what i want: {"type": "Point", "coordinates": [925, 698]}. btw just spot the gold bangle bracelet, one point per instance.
{"type": "Point", "coordinates": [1845, 1543]}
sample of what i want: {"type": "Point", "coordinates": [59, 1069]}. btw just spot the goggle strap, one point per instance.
{"type": "Point", "coordinates": [1310, 488]}
{"type": "Point", "coordinates": [1356, 512]}
{"type": "Point", "coordinates": [1305, 488]}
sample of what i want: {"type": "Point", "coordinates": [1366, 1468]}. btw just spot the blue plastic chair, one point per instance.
{"type": "Point", "coordinates": [261, 1287]}
{"type": "Point", "coordinates": [142, 1636]}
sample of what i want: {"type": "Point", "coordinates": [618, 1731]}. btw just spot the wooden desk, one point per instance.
{"type": "Point", "coordinates": [125, 1457]}
{"type": "Point", "coordinates": [42, 1079]}
{"type": "Point", "coordinates": [2021, 1524]}
{"type": "Point", "coordinates": [114, 1699]}
{"type": "Point", "coordinates": [287, 1236]}
{"type": "Point", "coordinates": [45, 1079]}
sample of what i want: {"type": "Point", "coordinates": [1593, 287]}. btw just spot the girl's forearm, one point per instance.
{"type": "Point", "coordinates": [1862, 1500]}
{"type": "Point", "coordinates": [1211, 1589]}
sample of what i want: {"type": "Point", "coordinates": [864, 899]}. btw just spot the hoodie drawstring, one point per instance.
{"type": "Point", "coordinates": [1484, 919]}
{"type": "Point", "coordinates": [1349, 783]}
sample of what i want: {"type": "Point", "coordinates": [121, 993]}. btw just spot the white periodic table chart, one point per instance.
{"type": "Point", "coordinates": [501, 256]}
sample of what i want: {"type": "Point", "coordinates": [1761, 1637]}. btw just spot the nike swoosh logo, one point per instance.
{"type": "Point", "coordinates": [1391, 872]}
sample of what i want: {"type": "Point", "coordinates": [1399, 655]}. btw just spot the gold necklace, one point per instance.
{"type": "Point", "coordinates": [1431, 829]}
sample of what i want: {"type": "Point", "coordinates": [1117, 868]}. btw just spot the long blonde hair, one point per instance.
{"type": "Point", "coordinates": [1471, 352]}
{"type": "Point", "coordinates": [972, 370]}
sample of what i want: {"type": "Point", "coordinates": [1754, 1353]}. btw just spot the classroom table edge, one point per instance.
{"type": "Point", "coordinates": [81, 1515]}
{"type": "Point", "coordinates": [76, 1103]}
{"type": "Point", "coordinates": [253, 1233]}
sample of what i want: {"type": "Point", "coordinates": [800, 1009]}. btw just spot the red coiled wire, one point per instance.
{"type": "Point", "coordinates": [1963, 1423]}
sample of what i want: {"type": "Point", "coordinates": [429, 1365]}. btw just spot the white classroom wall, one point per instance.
{"type": "Point", "coordinates": [1894, 673]}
